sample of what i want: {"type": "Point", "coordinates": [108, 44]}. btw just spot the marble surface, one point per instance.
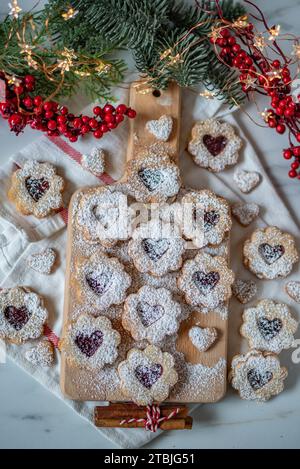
{"type": "Point", "coordinates": [33, 418]}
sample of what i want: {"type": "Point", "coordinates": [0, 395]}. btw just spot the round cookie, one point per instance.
{"type": "Point", "coordinates": [147, 375]}
{"type": "Point", "coordinates": [270, 253]}
{"type": "Point", "coordinates": [206, 280]}
{"type": "Point", "coordinates": [91, 343]}
{"type": "Point", "coordinates": [156, 247]}
{"type": "Point", "coordinates": [207, 217]}
{"type": "Point", "coordinates": [257, 375]}
{"type": "Point", "coordinates": [103, 281]}
{"type": "Point", "coordinates": [103, 216]}
{"type": "Point", "coordinates": [36, 189]}
{"type": "Point", "coordinates": [152, 176]}
{"type": "Point", "coordinates": [214, 145]}
{"type": "Point", "coordinates": [22, 315]}
{"type": "Point", "coordinates": [151, 314]}
{"type": "Point", "coordinates": [269, 326]}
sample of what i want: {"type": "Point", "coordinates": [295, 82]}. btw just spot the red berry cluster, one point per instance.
{"type": "Point", "coordinates": [270, 78]}
{"type": "Point", "coordinates": [22, 108]}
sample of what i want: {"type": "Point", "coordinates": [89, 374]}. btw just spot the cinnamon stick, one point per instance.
{"type": "Point", "coordinates": [130, 410]}
{"type": "Point", "coordinates": [172, 424]}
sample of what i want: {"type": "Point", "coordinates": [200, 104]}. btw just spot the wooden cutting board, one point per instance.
{"type": "Point", "coordinates": [206, 372]}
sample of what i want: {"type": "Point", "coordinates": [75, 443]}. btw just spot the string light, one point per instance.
{"type": "Point", "coordinates": [207, 94]}
{"type": "Point", "coordinates": [274, 32]}
{"type": "Point", "coordinates": [102, 68]}
{"type": "Point", "coordinates": [259, 42]}
{"type": "Point", "coordinates": [14, 9]}
{"type": "Point", "coordinates": [27, 49]}
{"type": "Point", "coordinates": [67, 62]}
{"type": "Point", "coordinates": [241, 22]}
{"type": "Point", "coordinates": [266, 115]}
{"type": "Point", "coordinates": [81, 73]}
{"type": "Point", "coordinates": [249, 82]}
{"type": "Point", "coordinates": [215, 33]}
{"type": "Point", "coordinates": [70, 14]}
{"type": "Point", "coordinates": [175, 59]}
{"type": "Point", "coordinates": [165, 54]}
{"type": "Point", "coordinates": [12, 80]}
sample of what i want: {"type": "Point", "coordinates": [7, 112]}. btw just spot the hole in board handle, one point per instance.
{"type": "Point", "coordinates": [156, 93]}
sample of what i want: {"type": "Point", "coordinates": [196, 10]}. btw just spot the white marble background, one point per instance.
{"type": "Point", "coordinates": [31, 417]}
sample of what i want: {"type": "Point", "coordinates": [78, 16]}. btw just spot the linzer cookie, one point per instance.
{"type": "Point", "coordinates": [206, 280]}
{"type": "Point", "coordinates": [151, 314]}
{"type": "Point", "coordinates": [270, 253]}
{"type": "Point", "coordinates": [269, 326]}
{"type": "Point", "coordinates": [36, 189]}
{"type": "Point", "coordinates": [257, 375]}
{"type": "Point", "coordinates": [102, 216]}
{"type": "Point", "coordinates": [208, 217]}
{"type": "Point", "coordinates": [156, 247]}
{"type": "Point", "coordinates": [22, 315]}
{"type": "Point", "coordinates": [148, 375]}
{"type": "Point", "coordinates": [152, 177]}
{"type": "Point", "coordinates": [103, 281]}
{"type": "Point", "coordinates": [91, 342]}
{"type": "Point", "coordinates": [214, 145]}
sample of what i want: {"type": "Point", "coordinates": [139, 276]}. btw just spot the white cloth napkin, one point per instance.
{"type": "Point", "coordinates": [21, 236]}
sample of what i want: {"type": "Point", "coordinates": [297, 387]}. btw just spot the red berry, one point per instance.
{"type": "Point", "coordinates": [73, 138]}
{"type": "Point", "coordinates": [97, 110]}
{"type": "Point", "coordinates": [47, 106]}
{"type": "Point", "coordinates": [298, 137]}
{"type": "Point", "coordinates": [28, 102]}
{"type": "Point", "coordinates": [295, 165]}
{"type": "Point", "coordinates": [64, 110]}
{"type": "Point", "coordinates": [19, 89]}
{"type": "Point", "coordinates": [286, 80]}
{"type": "Point", "coordinates": [37, 100]}
{"type": "Point", "coordinates": [225, 32]}
{"type": "Point", "coordinates": [223, 42]}
{"type": "Point", "coordinates": [289, 113]}
{"type": "Point", "coordinates": [29, 86]}
{"type": "Point", "coordinates": [279, 111]}
{"type": "Point", "coordinates": [236, 48]}
{"type": "Point", "coordinates": [77, 123]}
{"type": "Point", "coordinates": [231, 41]}
{"type": "Point", "coordinates": [296, 151]}
{"type": "Point", "coordinates": [108, 108]}
{"type": "Point", "coordinates": [280, 129]}
{"type": "Point", "coordinates": [287, 154]}
{"type": "Point", "coordinates": [285, 72]}
{"type": "Point", "coordinates": [111, 125]}
{"type": "Point", "coordinates": [61, 119]}
{"type": "Point", "coordinates": [109, 118]}
{"type": "Point", "coordinates": [15, 119]}
{"type": "Point", "coordinates": [131, 113]}
{"type": "Point", "coordinates": [292, 173]}
{"type": "Point", "coordinates": [276, 63]}
{"type": "Point", "coordinates": [121, 109]}
{"type": "Point", "coordinates": [70, 116]}
{"type": "Point", "coordinates": [49, 114]}
{"type": "Point", "coordinates": [85, 119]}
{"type": "Point", "coordinates": [249, 61]}
{"type": "Point", "coordinates": [212, 40]}
{"type": "Point", "coordinates": [93, 123]}
{"type": "Point", "coordinates": [98, 133]}
{"type": "Point", "coordinates": [85, 129]}
{"type": "Point", "coordinates": [104, 128]}
{"type": "Point", "coordinates": [52, 125]}
{"type": "Point", "coordinates": [62, 128]}
{"type": "Point", "coordinates": [119, 118]}
{"type": "Point", "coordinates": [272, 123]}
{"type": "Point", "coordinates": [29, 79]}
{"type": "Point", "coordinates": [226, 50]}
{"type": "Point", "coordinates": [236, 62]}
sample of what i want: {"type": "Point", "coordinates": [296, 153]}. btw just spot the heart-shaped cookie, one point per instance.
{"type": "Point", "coordinates": [155, 248]}
{"type": "Point", "coordinates": [246, 180]}
{"type": "Point", "coordinates": [293, 290]}
{"type": "Point", "coordinates": [98, 281]}
{"type": "Point", "coordinates": [206, 282]}
{"type": "Point", "coordinates": [149, 314]}
{"type": "Point", "coordinates": [94, 162]}
{"type": "Point", "coordinates": [36, 188]}
{"type": "Point", "coordinates": [245, 213]}
{"type": "Point", "coordinates": [148, 375]}
{"type": "Point", "coordinates": [42, 262]}
{"type": "Point", "coordinates": [16, 317]}
{"type": "Point", "coordinates": [258, 379]}
{"type": "Point", "coordinates": [269, 328]}
{"type": "Point", "coordinates": [89, 344]}
{"type": "Point", "coordinates": [203, 338]}
{"type": "Point", "coordinates": [161, 128]}
{"type": "Point", "coordinates": [215, 145]}
{"type": "Point", "coordinates": [244, 290]}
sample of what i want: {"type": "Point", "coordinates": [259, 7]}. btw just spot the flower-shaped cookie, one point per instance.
{"type": "Point", "coordinates": [269, 326]}
{"type": "Point", "coordinates": [103, 281]}
{"type": "Point", "coordinates": [22, 315]}
{"type": "Point", "coordinates": [151, 314]}
{"type": "Point", "coordinates": [257, 375]}
{"type": "Point", "coordinates": [208, 217]}
{"type": "Point", "coordinates": [147, 375]}
{"type": "Point", "coordinates": [103, 216]}
{"type": "Point", "coordinates": [91, 342]}
{"type": "Point", "coordinates": [153, 177]}
{"type": "Point", "coordinates": [156, 247]}
{"type": "Point", "coordinates": [206, 280]}
{"type": "Point", "coordinates": [270, 253]}
{"type": "Point", "coordinates": [214, 145]}
{"type": "Point", "coordinates": [36, 189]}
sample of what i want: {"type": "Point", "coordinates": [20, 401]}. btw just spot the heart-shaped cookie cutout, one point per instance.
{"type": "Point", "coordinates": [246, 180]}
{"type": "Point", "coordinates": [149, 314]}
{"type": "Point", "coordinates": [203, 338]}
{"type": "Point", "coordinates": [155, 248]}
{"type": "Point", "coordinates": [106, 216]}
{"type": "Point", "coordinates": [211, 219]}
{"type": "Point", "coordinates": [269, 253]}
{"type": "Point", "coordinates": [258, 379]}
{"type": "Point", "coordinates": [151, 178]}
{"type": "Point", "coordinates": [215, 145]}
{"type": "Point", "coordinates": [36, 188]}
{"type": "Point", "coordinates": [148, 375]}
{"type": "Point", "coordinates": [89, 344]}
{"type": "Point", "coordinates": [98, 281]}
{"type": "Point", "coordinates": [161, 128]}
{"type": "Point", "coordinates": [42, 262]}
{"type": "Point", "coordinates": [16, 317]}
{"type": "Point", "coordinates": [269, 328]}
{"type": "Point", "coordinates": [206, 282]}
